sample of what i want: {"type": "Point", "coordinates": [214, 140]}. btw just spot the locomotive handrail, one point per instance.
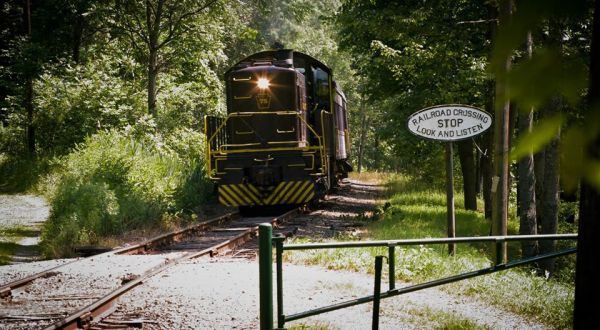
{"type": "Point", "coordinates": [221, 148]}
{"type": "Point", "coordinates": [324, 112]}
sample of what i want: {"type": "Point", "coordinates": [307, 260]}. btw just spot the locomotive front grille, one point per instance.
{"type": "Point", "coordinates": [247, 194]}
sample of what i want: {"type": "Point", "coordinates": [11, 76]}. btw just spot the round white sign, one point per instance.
{"type": "Point", "coordinates": [449, 122]}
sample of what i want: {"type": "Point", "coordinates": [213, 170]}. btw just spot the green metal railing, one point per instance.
{"type": "Point", "coordinates": [266, 270]}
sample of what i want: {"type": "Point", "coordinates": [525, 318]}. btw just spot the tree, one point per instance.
{"type": "Point", "coordinates": [550, 195]}
{"type": "Point", "coordinates": [153, 26]}
{"type": "Point", "coordinates": [413, 55]}
{"type": "Point", "coordinates": [36, 37]}
{"type": "Point", "coordinates": [502, 132]}
{"type": "Point", "coordinates": [526, 184]}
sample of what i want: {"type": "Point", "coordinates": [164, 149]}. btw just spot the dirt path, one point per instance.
{"type": "Point", "coordinates": [21, 217]}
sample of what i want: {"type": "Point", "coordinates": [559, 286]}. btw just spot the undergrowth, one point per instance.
{"type": "Point", "coordinates": [414, 210]}
{"type": "Point", "coordinates": [120, 180]}
{"type": "Point", "coordinates": [21, 175]}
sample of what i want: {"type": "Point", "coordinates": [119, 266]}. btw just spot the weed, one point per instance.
{"type": "Point", "coordinates": [121, 180]}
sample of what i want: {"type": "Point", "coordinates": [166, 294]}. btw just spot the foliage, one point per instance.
{"type": "Point", "coordinates": [19, 175]}
{"type": "Point", "coordinates": [413, 55]}
{"type": "Point", "coordinates": [122, 179]}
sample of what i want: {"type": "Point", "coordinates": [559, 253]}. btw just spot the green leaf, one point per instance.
{"type": "Point", "coordinates": [539, 137]}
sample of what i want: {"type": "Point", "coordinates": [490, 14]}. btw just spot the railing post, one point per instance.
{"type": "Point", "coordinates": [279, 264]}
{"type": "Point", "coordinates": [377, 291]}
{"type": "Point", "coordinates": [265, 275]}
{"type": "Point", "coordinates": [392, 266]}
{"type": "Point", "coordinates": [499, 252]}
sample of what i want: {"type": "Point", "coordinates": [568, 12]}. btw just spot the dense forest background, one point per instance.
{"type": "Point", "coordinates": [102, 103]}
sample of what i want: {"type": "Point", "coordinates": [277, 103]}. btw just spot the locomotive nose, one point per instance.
{"type": "Point", "coordinates": [265, 175]}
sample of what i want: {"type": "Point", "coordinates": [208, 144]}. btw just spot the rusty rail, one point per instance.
{"type": "Point", "coordinates": [6, 289]}
{"type": "Point", "coordinates": [103, 307]}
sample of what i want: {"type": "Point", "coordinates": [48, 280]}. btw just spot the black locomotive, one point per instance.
{"type": "Point", "coordinates": [285, 139]}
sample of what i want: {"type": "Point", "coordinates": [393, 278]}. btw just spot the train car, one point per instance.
{"type": "Point", "coordinates": [285, 138]}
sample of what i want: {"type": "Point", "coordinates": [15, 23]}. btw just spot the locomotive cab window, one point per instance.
{"type": "Point", "coordinates": [321, 85]}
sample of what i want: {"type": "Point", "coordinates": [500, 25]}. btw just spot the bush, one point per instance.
{"type": "Point", "coordinates": [119, 180]}
{"type": "Point", "coordinates": [19, 175]}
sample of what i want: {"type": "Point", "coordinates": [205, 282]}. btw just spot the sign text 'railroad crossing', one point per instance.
{"type": "Point", "coordinates": [449, 122]}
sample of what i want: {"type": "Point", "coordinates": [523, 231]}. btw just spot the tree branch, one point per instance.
{"type": "Point", "coordinates": [175, 28]}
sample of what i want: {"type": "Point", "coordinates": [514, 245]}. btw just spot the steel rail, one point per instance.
{"type": "Point", "coordinates": [104, 306]}
{"type": "Point", "coordinates": [6, 289]}
{"type": "Point", "coordinates": [175, 236]}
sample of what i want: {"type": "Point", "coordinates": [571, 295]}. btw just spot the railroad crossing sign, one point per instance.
{"type": "Point", "coordinates": [448, 123]}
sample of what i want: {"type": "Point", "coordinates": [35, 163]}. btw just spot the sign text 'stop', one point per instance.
{"type": "Point", "coordinates": [449, 122]}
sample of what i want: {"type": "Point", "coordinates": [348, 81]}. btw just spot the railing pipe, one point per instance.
{"type": "Point", "coordinates": [316, 246]}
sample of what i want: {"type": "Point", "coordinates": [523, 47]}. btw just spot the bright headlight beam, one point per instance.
{"type": "Point", "coordinates": [263, 83]}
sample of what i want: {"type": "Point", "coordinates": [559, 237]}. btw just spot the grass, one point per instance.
{"type": "Point", "coordinates": [440, 320]}
{"type": "Point", "coordinates": [414, 210]}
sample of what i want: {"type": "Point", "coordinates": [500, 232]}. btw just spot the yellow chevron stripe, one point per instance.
{"type": "Point", "coordinates": [274, 193]}
{"type": "Point", "coordinates": [303, 198]}
{"type": "Point", "coordinates": [223, 201]}
{"type": "Point", "coordinates": [309, 187]}
{"type": "Point", "coordinates": [294, 197]}
{"type": "Point", "coordinates": [241, 194]}
{"type": "Point", "coordinates": [310, 196]}
{"type": "Point", "coordinates": [291, 191]}
{"type": "Point", "coordinates": [232, 195]}
{"type": "Point", "coordinates": [250, 194]}
{"type": "Point", "coordinates": [253, 188]}
{"type": "Point", "coordinates": [279, 196]}
{"type": "Point", "coordinates": [225, 195]}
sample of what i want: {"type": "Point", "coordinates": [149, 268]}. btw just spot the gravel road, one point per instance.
{"type": "Point", "coordinates": [22, 210]}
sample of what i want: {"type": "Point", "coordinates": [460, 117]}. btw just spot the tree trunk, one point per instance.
{"type": "Point", "coordinates": [77, 36]}
{"type": "Point", "coordinates": [152, 75]}
{"type": "Point", "coordinates": [29, 92]}
{"type": "Point", "coordinates": [153, 20]}
{"type": "Point", "coordinates": [467, 166]}
{"type": "Point", "coordinates": [501, 142]}
{"type": "Point", "coordinates": [487, 161]}
{"type": "Point", "coordinates": [539, 164]}
{"type": "Point", "coordinates": [587, 286]}
{"type": "Point", "coordinates": [487, 137]}
{"type": "Point", "coordinates": [551, 193]}
{"type": "Point", "coordinates": [376, 155]}
{"type": "Point", "coordinates": [526, 183]}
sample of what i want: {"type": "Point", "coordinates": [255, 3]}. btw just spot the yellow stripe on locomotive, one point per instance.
{"type": "Point", "coordinates": [286, 192]}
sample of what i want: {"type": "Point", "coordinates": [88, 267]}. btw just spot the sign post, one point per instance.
{"type": "Point", "coordinates": [448, 123]}
{"type": "Point", "coordinates": [450, 197]}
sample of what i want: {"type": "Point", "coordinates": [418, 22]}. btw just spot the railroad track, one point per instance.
{"type": "Point", "coordinates": [62, 298]}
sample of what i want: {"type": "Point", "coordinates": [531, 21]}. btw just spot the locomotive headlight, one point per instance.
{"type": "Point", "coordinates": [263, 83]}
